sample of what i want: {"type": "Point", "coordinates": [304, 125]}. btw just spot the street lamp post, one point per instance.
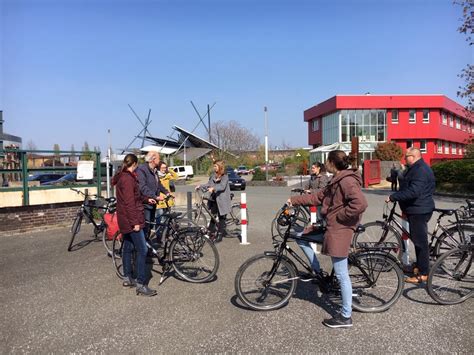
{"type": "Point", "coordinates": [266, 143]}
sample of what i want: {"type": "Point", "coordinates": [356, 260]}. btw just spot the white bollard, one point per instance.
{"type": "Point", "coordinates": [314, 212]}
{"type": "Point", "coordinates": [406, 241]}
{"type": "Point", "coordinates": [243, 220]}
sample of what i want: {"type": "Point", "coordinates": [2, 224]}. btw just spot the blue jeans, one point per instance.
{"type": "Point", "coordinates": [159, 220]}
{"type": "Point", "coordinates": [342, 273]}
{"type": "Point", "coordinates": [309, 252]}
{"type": "Point", "coordinates": [135, 241]}
{"type": "Point", "coordinates": [149, 217]}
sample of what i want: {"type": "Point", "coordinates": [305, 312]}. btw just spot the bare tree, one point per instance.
{"type": "Point", "coordinates": [467, 73]}
{"type": "Point", "coordinates": [231, 136]}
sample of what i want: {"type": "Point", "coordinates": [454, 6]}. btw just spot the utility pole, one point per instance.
{"type": "Point", "coordinates": [266, 143]}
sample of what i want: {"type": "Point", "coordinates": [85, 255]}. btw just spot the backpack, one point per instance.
{"type": "Point", "coordinates": [112, 224]}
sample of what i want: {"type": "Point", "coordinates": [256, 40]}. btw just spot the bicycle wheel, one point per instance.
{"type": "Point", "coordinates": [234, 216]}
{"type": "Point", "coordinates": [193, 256]}
{"type": "Point", "coordinates": [257, 290]}
{"type": "Point", "coordinates": [451, 239]}
{"type": "Point", "coordinates": [377, 281]}
{"type": "Point", "coordinates": [376, 232]}
{"type": "Point", "coordinates": [451, 278]}
{"type": "Point", "coordinates": [107, 240]}
{"type": "Point", "coordinates": [75, 228]}
{"type": "Point", "coordinates": [117, 246]}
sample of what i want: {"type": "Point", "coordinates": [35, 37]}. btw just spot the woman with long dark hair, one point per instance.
{"type": "Point", "coordinates": [318, 179]}
{"type": "Point", "coordinates": [131, 221]}
{"type": "Point", "coordinates": [342, 206]}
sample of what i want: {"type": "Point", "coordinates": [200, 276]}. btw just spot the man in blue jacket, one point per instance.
{"type": "Point", "coordinates": [416, 200]}
{"type": "Point", "coordinates": [150, 185]}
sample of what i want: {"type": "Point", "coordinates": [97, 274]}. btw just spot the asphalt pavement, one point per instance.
{"type": "Point", "coordinates": [54, 301]}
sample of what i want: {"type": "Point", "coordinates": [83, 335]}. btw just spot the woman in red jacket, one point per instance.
{"type": "Point", "coordinates": [131, 221]}
{"type": "Point", "coordinates": [342, 206]}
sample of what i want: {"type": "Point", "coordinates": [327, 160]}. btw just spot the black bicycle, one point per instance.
{"type": "Point", "coordinates": [202, 214]}
{"type": "Point", "coordinates": [186, 249]}
{"type": "Point", "coordinates": [268, 281]}
{"type": "Point", "coordinates": [92, 210]}
{"type": "Point", "coordinates": [451, 278]}
{"type": "Point", "coordinates": [443, 238]}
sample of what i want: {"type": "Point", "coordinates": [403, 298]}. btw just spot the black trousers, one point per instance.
{"type": "Point", "coordinates": [419, 237]}
{"type": "Point", "coordinates": [212, 225]}
{"type": "Point", "coordinates": [394, 184]}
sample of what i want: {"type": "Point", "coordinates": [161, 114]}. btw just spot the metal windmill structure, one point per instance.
{"type": "Point", "coordinates": [144, 132]}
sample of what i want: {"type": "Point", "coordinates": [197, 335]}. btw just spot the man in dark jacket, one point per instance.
{"type": "Point", "coordinates": [150, 185]}
{"type": "Point", "coordinates": [416, 200]}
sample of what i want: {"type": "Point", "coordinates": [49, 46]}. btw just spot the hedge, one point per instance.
{"type": "Point", "coordinates": [455, 174]}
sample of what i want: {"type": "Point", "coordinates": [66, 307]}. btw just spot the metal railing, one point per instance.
{"type": "Point", "coordinates": [17, 164]}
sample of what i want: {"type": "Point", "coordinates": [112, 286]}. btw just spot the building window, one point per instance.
{"type": "Point", "coordinates": [426, 116]}
{"type": "Point", "coordinates": [446, 148]}
{"type": "Point", "coordinates": [453, 148]}
{"type": "Point", "coordinates": [458, 122]}
{"type": "Point", "coordinates": [440, 147]}
{"type": "Point", "coordinates": [451, 121]}
{"type": "Point", "coordinates": [316, 125]}
{"type": "Point", "coordinates": [423, 146]}
{"type": "Point", "coordinates": [412, 116]}
{"type": "Point", "coordinates": [444, 120]}
{"type": "Point", "coordinates": [394, 116]}
{"type": "Point", "coordinates": [368, 125]}
{"type": "Point", "coordinates": [409, 143]}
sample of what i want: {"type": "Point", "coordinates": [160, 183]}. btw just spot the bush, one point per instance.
{"type": "Point", "coordinates": [388, 151]}
{"type": "Point", "coordinates": [259, 175]}
{"type": "Point", "coordinates": [455, 171]}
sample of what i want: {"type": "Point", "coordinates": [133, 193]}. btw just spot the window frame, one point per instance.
{"type": "Point", "coordinates": [427, 120]}
{"type": "Point", "coordinates": [398, 116]}
{"type": "Point", "coordinates": [423, 149]}
{"type": "Point", "coordinates": [315, 125]}
{"type": "Point", "coordinates": [444, 118]}
{"type": "Point", "coordinates": [410, 120]}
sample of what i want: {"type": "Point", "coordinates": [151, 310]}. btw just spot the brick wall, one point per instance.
{"type": "Point", "coordinates": [15, 220]}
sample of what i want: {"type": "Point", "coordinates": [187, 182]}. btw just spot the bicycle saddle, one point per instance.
{"type": "Point", "coordinates": [174, 215]}
{"type": "Point", "coordinates": [447, 212]}
{"type": "Point", "coordinates": [111, 199]}
{"type": "Point", "coordinates": [470, 203]}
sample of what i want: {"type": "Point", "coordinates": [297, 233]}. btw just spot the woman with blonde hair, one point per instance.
{"type": "Point", "coordinates": [219, 202]}
{"type": "Point", "coordinates": [166, 176]}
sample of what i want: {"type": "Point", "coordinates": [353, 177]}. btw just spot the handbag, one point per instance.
{"type": "Point", "coordinates": [388, 178]}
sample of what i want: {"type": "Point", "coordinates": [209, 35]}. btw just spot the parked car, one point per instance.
{"type": "Point", "coordinates": [67, 179]}
{"type": "Point", "coordinates": [235, 181]}
{"type": "Point", "coordinates": [242, 170]}
{"type": "Point", "coordinates": [45, 178]}
{"type": "Point", "coordinates": [183, 171]}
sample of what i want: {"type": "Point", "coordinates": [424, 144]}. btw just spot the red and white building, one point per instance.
{"type": "Point", "coordinates": [437, 125]}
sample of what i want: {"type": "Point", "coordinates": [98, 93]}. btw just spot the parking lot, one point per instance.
{"type": "Point", "coordinates": [55, 301]}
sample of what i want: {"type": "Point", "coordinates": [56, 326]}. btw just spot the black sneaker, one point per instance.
{"type": "Point", "coordinates": [144, 290]}
{"type": "Point", "coordinates": [338, 321]}
{"type": "Point", "coordinates": [129, 282]}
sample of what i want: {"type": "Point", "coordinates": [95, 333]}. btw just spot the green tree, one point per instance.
{"type": "Point", "coordinates": [388, 151]}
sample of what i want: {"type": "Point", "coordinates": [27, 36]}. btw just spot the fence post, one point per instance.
{"type": "Point", "coordinates": [243, 220]}
{"type": "Point", "coordinates": [24, 175]}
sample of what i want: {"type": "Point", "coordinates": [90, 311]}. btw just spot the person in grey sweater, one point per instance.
{"type": "Point", "coordinates": [219, 202]}
{"type": "Point", "coordinates": [318, 178]}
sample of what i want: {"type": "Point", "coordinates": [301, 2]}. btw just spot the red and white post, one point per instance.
{"type": "Point", "coordinates": [314, 211]}
{"type": "Point", "coordinates": [243, 220]}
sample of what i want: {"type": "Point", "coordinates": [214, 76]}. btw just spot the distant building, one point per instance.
{"type": "Point", "coordinates": [435, 124]}
{"type": "Point", "coordinates": [7, 140]}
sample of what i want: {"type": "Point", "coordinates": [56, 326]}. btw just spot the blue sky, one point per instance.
{"type": "Point", "coordinates": [70, 67]}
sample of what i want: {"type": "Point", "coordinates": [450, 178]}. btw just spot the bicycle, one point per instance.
{"type": "Point", "coordinates": [451, 278]}
{"type": "Point", "coordinates": [87, 211]}
{"type": "Point", "coordinates": [268, 281]}
{"type": "Point", "coordinates": [201, 209]}
{"type": "Point", "coordinates": [391, 229]}
{"type": "Point", "coordinates": [186, 249]}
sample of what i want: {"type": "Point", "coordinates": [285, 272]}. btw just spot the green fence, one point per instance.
{"type": "Point", "coordinates": [16, 166]}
